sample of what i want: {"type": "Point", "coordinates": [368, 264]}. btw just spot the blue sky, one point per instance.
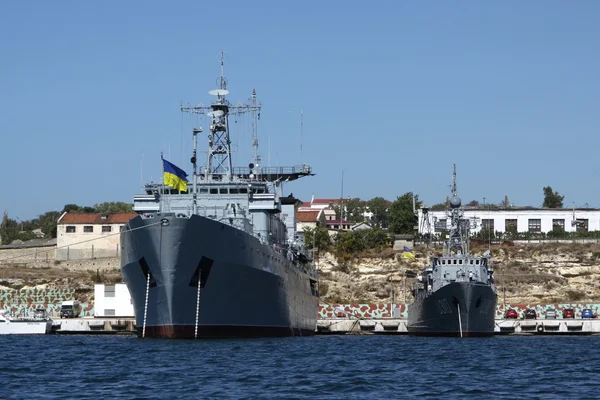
{"type": "Point", "coordinates": [393, 93]}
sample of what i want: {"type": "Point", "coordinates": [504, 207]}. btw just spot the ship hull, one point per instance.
{"type": "Point", "coordinates": [198, 278]}
{"type": "Point", "coordinates": [464, 309]}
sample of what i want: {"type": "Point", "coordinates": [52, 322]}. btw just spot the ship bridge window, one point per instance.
{"type": "Point", "coordinates": [243, 190]}
{"type": "Point", "coordinates": [234, 190]}
{"type": "Point", "coordinates": [214, 191]}
{"type": "Point", "coordinates": [223, 190]}
{"type": "Point", "coordinates": [203, 190]}
{"type": "Point", "coordinates": [454, 262]}
{"type": "Point", "coordinates": [477, 262]}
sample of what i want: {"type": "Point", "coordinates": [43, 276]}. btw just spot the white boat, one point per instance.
{"type": "Point", "coordinates": [39, 324]}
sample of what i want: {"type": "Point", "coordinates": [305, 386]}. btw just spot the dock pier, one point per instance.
{"type": "Point", "coordinates": [352, 326]}
{"type": "Point", "coordinates": [397, 326]}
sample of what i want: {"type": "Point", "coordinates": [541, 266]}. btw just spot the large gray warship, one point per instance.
{"type": "Point", "coordinates": [455, 294]}
{"type": "Point", "coordinates": [221, 258]}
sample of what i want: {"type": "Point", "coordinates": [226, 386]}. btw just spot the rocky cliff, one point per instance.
{"type": "Point", "coordinates": [534, 273]}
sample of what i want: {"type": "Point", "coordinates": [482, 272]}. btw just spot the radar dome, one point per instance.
{"type": "Point", "coordinates": [455, 202]}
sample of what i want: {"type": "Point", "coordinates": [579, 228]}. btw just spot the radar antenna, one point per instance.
{"type": "Point", "coordinates": [454, 182]}
{"type": "Point", "coordinates": [219, 163]}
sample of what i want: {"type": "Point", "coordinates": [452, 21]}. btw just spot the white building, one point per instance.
{"type": "Point", "coordinates": [521, 219]}
{"type": "Point", "coordinates": [112, 301]}
{"type": "Point", "coordinates": [327, 205]}
{"type": "Point", "coordinates": [89, 235]}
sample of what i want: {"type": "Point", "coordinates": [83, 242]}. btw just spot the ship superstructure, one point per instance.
{"type": "Point", "coordinates": [455, 295]}
{"type": "Point", "coordinates": [221, 258]}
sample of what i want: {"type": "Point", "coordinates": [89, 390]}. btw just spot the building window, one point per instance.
{"type": "Point", "coordinates": [70, 229]}
{"type": "Point", "coordinates": [535, 225]}
{"type": "Point", "coordinates": [109, 290]}
{"type": "Point", "coordinates": [88, 228]}
{"type": "Point", "coordinates": [106, 228]}
{"type": "Point", "coordinates": [558, 224]}
{"type": "Point", "coordinates": [487, 224]}
{"type": "Point", "coordinates": [510, 225]}
{"type": "Point", "coordinates": [121, 228]}
{"type": "Point", "coordinates": [109, 312]}
{"type": "Point", "coordinates": [440, 225]}
{"type": "Point", "coordinates": [582, 225]}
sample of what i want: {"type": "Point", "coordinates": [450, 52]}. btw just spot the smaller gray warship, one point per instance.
{"type": "Point", "coordinates": [455, 294]}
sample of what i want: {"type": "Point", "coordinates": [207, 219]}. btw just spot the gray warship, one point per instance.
{"type": "Point", "coordinates": [455, 295]}
{"type": "Point", "coordinates": [221, 258]}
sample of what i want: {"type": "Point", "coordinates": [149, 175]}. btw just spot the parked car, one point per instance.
{"type": "Point", "coordinates": [568, 313]}
{"type": "Point", "coordinates": [530, 314]}
{"type": "Point", "coordinates": [550, 313]}
{"type": "Point", "coordinates": [587, 313]}
{"type": "Point", "coordinates": [511, 313]}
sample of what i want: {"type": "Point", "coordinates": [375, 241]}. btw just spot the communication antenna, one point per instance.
{"type": "Point", "coordinates": [301, 132]}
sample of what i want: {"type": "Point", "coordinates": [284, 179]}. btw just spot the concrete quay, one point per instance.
{"type": "Point", "coordinates": [74, 326]}
{"type": "Point", "coordinates": [351, 326]}
{"type": "Point", "coordinates": [397, 326]}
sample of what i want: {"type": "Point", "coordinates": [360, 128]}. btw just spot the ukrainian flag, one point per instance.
{"type": "Point", "coordinates": [408, 254]}
{"type": "Point", "coordinates": [174, 176]}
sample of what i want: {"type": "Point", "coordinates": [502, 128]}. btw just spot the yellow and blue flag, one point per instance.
{"type": "Point", "coordinates": [174, 176]}
{"type": "Point", "coordinates": [407, 253]}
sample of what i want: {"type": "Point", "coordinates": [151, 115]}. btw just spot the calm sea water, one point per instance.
{"type": "Point", "coordinates": [321, 367]}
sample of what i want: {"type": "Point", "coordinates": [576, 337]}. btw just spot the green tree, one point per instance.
{"type": "Point", "coordinates": [48, 221]}
{"type": "Point", "coordinates": [552, 199]}
{"type": "Point", "coordinates": [112, 207]}
{"type": "Point", "coordinates": [379, 207]}
{"type": "Point", "coordinates": [354, 209]}
{"type": "Point", "coordinates": [473, 203]}
{"type": "Point", "coordinates": [349, 244]}
{"type": "Point", "coordinates": [71, 208]}
{"type": "Point", "coordinates": [78, 209]}
{"type": "Point", "coordinates": [316, 237]}
{"type": "Point", "coordinates": [505, 202]}
{"type": "Point", "coordinates": [9, 229]}
{"type": "Point", "coordinates": [402, 217]}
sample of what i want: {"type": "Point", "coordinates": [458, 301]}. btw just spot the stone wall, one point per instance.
{"type": "Point", "coordinates": [67, 253]}
{"type": "Point", "coordinates": [27, 255]}
{"type": "Point", "coordinates": [43, 257]}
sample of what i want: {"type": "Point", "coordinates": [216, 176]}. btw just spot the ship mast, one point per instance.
{"type": "Point", "coordinates": [255, 115]}
{"type": "Point", "coordinates": [458, 240]}
{"type": "Point", "coordinates": [219, 163]}
{"type": "Point", "coordinates": [195, 171]}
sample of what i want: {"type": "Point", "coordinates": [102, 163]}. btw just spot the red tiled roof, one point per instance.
{"type": "Point", "coordinates": [96, 218]}
{"type": "Point", "coordinates": [326, 201]}
{"type": "Point", "coordinates": [338, 221]}
{"type": "Point", "coordinates": [307, 216]}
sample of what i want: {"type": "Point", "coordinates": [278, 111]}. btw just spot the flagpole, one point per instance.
{"type": "Point", "coordinates": [162, 204]}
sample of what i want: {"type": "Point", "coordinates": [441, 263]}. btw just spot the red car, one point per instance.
{"type": "Point", "coordinates": [568, 313]}
{"type": "Point", "coordinates": [510, 313]}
